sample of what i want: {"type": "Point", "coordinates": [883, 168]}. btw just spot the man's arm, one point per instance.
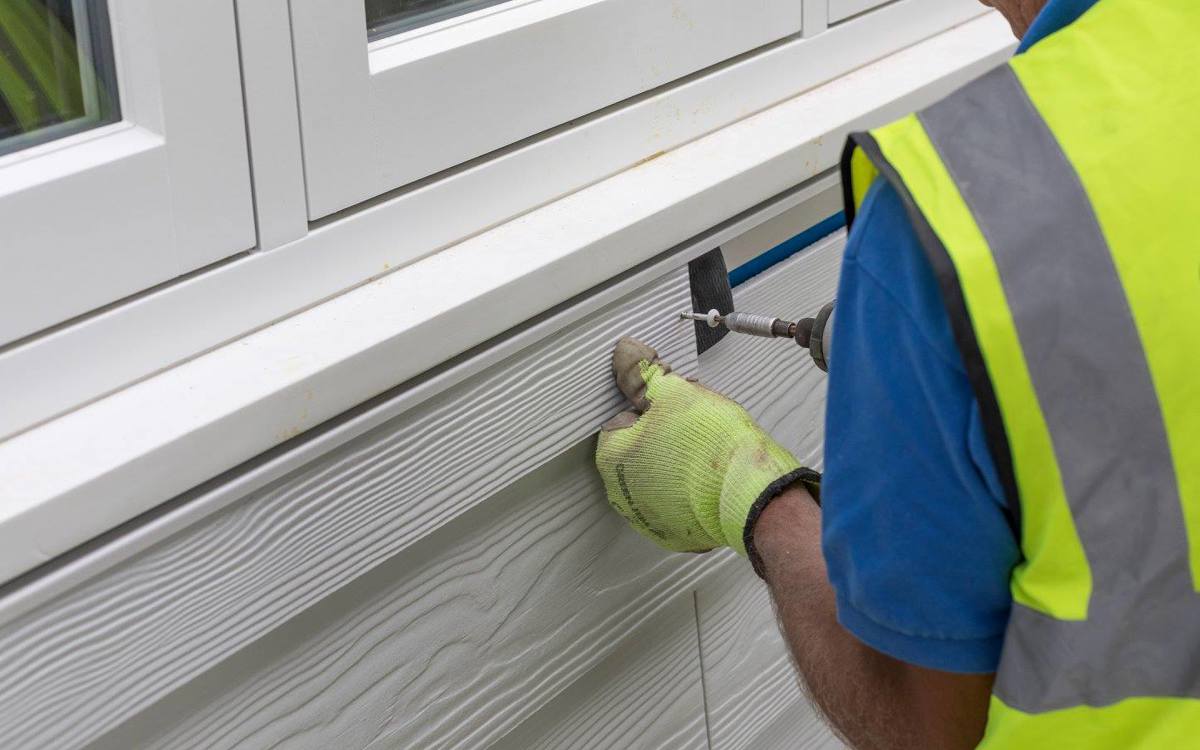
{"type": "Point", "coordinates": [689, 469]}
{"type": "Point", "coordinates": [919, 549]}
{"type": "Point", "coordinates": [872, 700]}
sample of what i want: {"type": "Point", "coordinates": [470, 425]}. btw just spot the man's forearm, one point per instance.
{"type": "Point", "coordinates": [872, 700]}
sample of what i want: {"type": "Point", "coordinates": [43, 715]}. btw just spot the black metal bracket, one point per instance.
{"type": "Point", "coordinates": [710, 290]}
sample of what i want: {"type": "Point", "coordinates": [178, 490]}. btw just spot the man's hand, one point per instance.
{"type": "Point", "coordinates": [688, 467]}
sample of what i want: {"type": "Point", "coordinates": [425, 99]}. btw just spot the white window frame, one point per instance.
{"type": "Point", "coordinates": [382, 115]}
{"type": "Point", "coordinates": [97, 216]}
{"type": "Point", "coordinates": [298, 264]}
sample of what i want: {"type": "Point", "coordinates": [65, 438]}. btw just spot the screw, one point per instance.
{"type": "Point", "coordinates": [712, 317]}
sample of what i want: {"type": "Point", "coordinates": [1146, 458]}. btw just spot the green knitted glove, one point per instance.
{"type": "Point", "coordinates": [689, 468]}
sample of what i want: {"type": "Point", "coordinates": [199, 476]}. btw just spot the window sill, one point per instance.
{"type": "Point", "coordinates": [73, 478]}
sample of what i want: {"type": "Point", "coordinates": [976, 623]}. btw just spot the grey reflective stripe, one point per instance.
{"type": "Point", "coordinates": [1092, 380]}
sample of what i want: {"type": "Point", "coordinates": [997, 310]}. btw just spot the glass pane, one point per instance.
{"type": "Point", "coordinates": [385, 17]}
{"type": "Point", "coordinates": [56, 70]}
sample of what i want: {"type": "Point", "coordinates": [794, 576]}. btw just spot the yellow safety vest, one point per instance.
{"type": "Point", "coordinates": [1058, 201]}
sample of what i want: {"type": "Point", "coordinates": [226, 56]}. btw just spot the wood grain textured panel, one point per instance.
{"type": "Point", "coordinates": [452, 643]}
{"type": "Point", "coordinates": [648, 694]}
{"type": "Point", "coordinates": [794, 728]}
{"type": "Point", "coordinates": [749, 679]}
{"type": "Point", "coordinates": [750, 683]}
{"type": "Point", "coordinates": [101, 652]}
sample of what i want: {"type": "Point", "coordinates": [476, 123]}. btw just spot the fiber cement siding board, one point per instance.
{"type": "Point", "coordinates": [794, 728]}
{"type": "Point", "coordinates": [749, 680]}
{"type": "Point", "coordinates": [648, 694]}
{"type": "Point", "coordinates": [460, 638]}
{"type": "Point", "coordinates": [101, 652]}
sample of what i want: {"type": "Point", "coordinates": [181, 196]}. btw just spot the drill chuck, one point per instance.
{"type": "Point", "coordinates": [818, 336]}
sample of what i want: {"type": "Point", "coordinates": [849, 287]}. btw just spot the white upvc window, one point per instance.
{"type": "Point", "coordinates": [478, 163]}
{"type": "Point", "coordinates": [381, 133]}
{"type": "Point", "coordinates": [393, 91]}
{"type": "Point", "coordinates": [122, 152]}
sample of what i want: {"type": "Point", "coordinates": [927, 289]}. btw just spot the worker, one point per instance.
{"type": "Point", "coordinates": [1004, 549]}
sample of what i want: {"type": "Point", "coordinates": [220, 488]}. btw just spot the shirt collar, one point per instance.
{"type": "Point", "coordinates": [1057, 15]}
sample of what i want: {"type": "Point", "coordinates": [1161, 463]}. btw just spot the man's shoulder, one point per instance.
{"type": "Point", "coordinates": [885, 249]}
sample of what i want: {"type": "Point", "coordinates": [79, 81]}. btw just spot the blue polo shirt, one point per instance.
{"type": "Point", "coordinates": [915, 535]}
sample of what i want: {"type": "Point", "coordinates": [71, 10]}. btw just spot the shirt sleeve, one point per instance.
{"type": "Point", "coordinates": [915, 535]}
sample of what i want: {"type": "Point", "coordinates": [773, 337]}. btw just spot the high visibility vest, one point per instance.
{"type": "Point", "coordinates": [1058, 201]}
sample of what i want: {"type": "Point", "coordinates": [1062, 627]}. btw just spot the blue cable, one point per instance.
{"type": "Point", "coordinates": [787, 249]}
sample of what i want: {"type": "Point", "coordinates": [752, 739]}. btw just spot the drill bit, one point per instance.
{"type": "Point", "coordinates": [748, 323]}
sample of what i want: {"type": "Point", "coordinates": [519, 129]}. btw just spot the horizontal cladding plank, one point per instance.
{"type": "Point", "coordinates": [647, 694]}
{"type": "Point", "coordinates": [795, 728]}
{"type": "Point", "coordinates": [750, 684]}
{"type": "Point", "coordinates": [105, 649]}
{"type": "Point", "coordinates": [452, 643]}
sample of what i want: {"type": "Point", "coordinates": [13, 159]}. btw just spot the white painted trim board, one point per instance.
{"type": "Point", "coordinates": [762, 238]}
